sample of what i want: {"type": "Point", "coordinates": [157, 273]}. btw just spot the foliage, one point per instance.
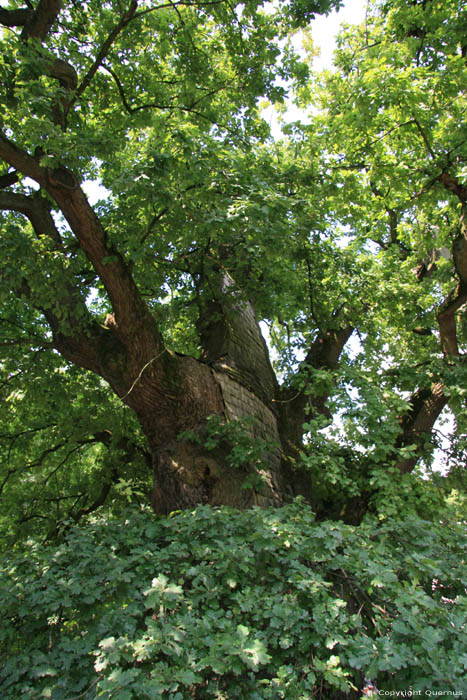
{"type": "Point", "coordinates": [236, 436]}
{"type": "Point", "coordinates": [217, 603]}
{"type": "Point", "coordinates": [382, 153]}
{"type": "Point", "coordinates": [46, 426]}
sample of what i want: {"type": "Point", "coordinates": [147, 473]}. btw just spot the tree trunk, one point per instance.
{"type": "Point", "coordinates": [187, 472]}
{"type": "Point", "coordinates": [234, 381]}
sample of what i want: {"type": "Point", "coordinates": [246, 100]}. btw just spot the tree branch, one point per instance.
{"type": "Point", "coordinates": [131, 314]}
{"type": "Point", "coordinates": [37, 209]}
{"type": "Point", "coordinates": [447, 321]}
{"type": "Point", "coordinates": [424, 137]}
{"type": "Point", "coordinates": [324, 353]}
{"type": "Point", "coordinates": [426, 405]}
{"type": "Point", "coordinates": [22, 161]}
{"type": "Point", "coordinates": [37, 24]}
{"type": "Point", "coordinates": [452, 184]}
{"type": "Point", "coordinates": [326, 349]}
{"type": "Point", "coordinates": [425, 408]}
{"type": "Point", "coordinates": [100, 499]}
{"type": "Point", "coordinates": [129, 339]}
{"type": "Point", "coordinates": [8, 179]}
{"type": "Point", "coordinates": [447, 311]}
{"type": "Point", "coordinates": [15, 18]}
{"type": "Point", "coordinates": [40, 23]}
{"type": "Point", "coordinates": [155, 105]}
{"type": "Point", "coordinates": [81, 344]}
{"type": "Point", "coordinates": [104, 50]}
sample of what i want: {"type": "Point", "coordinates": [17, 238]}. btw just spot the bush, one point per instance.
{"type": "Point", "coordinates": [216, 603]}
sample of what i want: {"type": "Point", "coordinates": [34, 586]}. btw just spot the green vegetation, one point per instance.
{"type": "Point", "coordinates": [228, 604]}
{"type": "Point", "coordinates": [185, 510]}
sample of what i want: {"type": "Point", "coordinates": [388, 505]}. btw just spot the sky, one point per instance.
{"type": "Point", "coordinates": [325, 29]}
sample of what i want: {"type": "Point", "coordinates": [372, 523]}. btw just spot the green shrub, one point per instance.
{"type": "Point", "coordinates": [216, 603]}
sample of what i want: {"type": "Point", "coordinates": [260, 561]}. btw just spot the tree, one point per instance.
{"type": "Point", "coordinates": [131, 327]}
{"type": "Point", "coordinates": [135, 367]}
{"type": "Point", "coordinates": [391, 129]}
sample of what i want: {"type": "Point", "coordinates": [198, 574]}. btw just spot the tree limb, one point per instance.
{"type": "Point", "coordinates": [424, 138]}
{"type": "Point", "coordinates": [447, 321]}
{"type": "Point", "coordinates": [426, 405]}
{"type": "Point", "coordinates": [131, 314]}
{"type": "Point", "coordinates": [82, 343]}
{"type": "Point", "coordinates": [425, 408]}
{"type": "Point", "coordinates": [326, 349]}
{"type": "Point", "coordinates": [129, 339]}
{"type": "Point", "coordinates": [324, 353]}
{"type": "Point", "coordinates": [100, 498]}
{"type": "Point", "coordinates": [22, 161]}
{"type": "Point", "coordinates": [40, 22]}
{"type": "Point", "coordinates": [8, 179]}
{"type": "Point", "coordinates": [104, 50]}
{"type": "Point", "coordinates": [16, 18]}
{"type": "Point", "coordinates": [37, 209]}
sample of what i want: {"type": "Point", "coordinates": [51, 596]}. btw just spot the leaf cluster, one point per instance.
{"type": "Point", "coordinates": [216, 603]}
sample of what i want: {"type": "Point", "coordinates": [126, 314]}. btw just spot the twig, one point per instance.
{"type": "Point", "coordinates": [140, 374]}
{"type": "Point", "coordinates": [81, 695]}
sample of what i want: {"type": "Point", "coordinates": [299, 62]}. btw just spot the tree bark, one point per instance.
{"type": "Point", "coordinates": [234, 380]}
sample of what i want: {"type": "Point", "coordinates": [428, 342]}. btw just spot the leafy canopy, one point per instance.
{"type": "Point", "coordinates": [349, 224]}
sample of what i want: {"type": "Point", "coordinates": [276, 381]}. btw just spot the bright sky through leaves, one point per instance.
{"type": "Point", "coordinates": [324, 30]}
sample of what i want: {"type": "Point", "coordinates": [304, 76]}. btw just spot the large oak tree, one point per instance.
{"type": "Point", "coordinates": [130, 326]}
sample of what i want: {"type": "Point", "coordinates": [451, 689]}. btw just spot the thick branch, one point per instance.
{"type": "Point", "coordinates": [447, 311]}
{"type": "Point", "coordinates": [36, 209]}
{"type": "Point", "coordinates": [64, 73]}
{"type": "Point", "coordinates": [128, 351]}
{"type": "Point", "coordinates": [452, 184]}
{"type": "Point", "coordinates": [459, 251]}
{"type": "Point", "coordinates": [326, 350]}
{"type": "Point", "coordinates": [425, 408]}
{"type": "Point", "coordinates": [15, 18]}
{"type": "Point", "coordinates": [447, 321]}
{"type": "Point", "coordinates": [100, 498]}
{"type": "Point", "coordinates": [85, 341]}
{"type": "Point", "coordinates": [82, 344]}
{"type": "Point", "coordinates": [37, 24]}
{"type": "Point", "coordinates": [21, 161]}
{"type": "Point", "coordinates": [130, 312]}
{"type": "Point", "coordinates": [324, 354]}
{"type": "Point", "coordinates": [292, 405]}
{"type": "Point", "coordinates": [40, 23]}
{"type": "Point", "coordinates": [426, 405]}
{"type": "Point", "coordinates": [8, 179]}
{"type": "Point", "coordinates": [131, 315]}
{"type": "Point", "coordinates": [231, 337]}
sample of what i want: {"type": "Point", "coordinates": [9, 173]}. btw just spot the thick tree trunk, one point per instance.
{"type": "Point", "coordinates": [234, 381]}
{"type": "Point", "coordinates": [187, 473]}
